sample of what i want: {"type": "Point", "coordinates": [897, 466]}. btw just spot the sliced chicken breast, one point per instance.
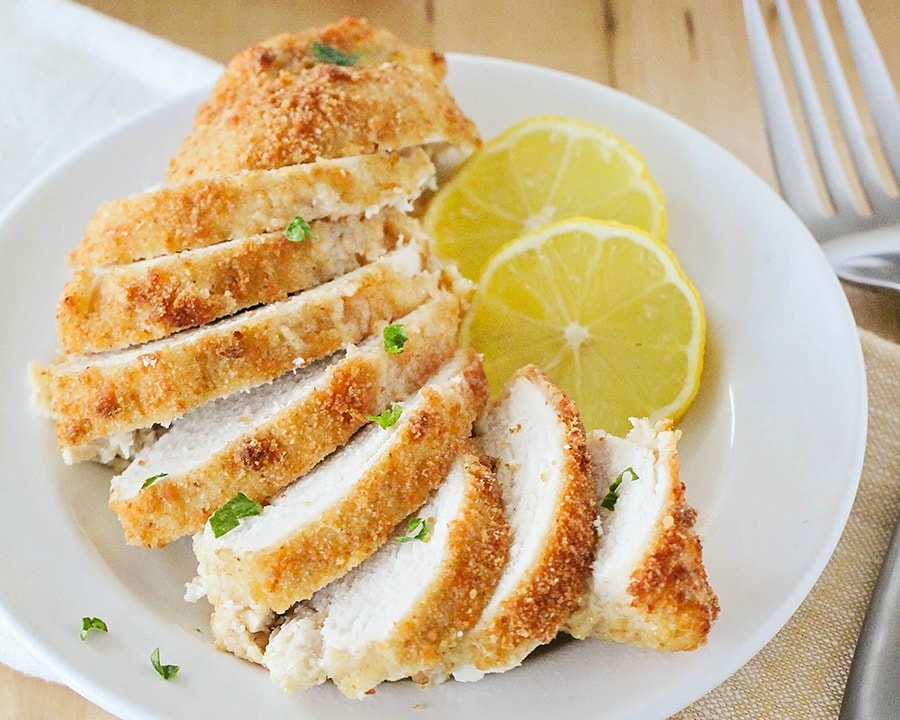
{"type": "Point", "coordinates": [95, 396]}
{"type": "Point", "coordinates": [431, 582]}
{"type": "Point", "coordinates": [199, 213]}
{"type": "Point", "coordinates": [117, 306]}
{"type": "Point", "coordinates": [649, 586]}
{"type": "Point", "coordinates": [535, 437]}
{"type": "Point", "coordinates": [333, 518]}
{"type": "Point", "coordinates": [259, 441]}
{"type": "Point", "coordinates": [293, 99]}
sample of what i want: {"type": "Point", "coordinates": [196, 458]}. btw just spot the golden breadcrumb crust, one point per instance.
{"type": "Point", "coordinates": [670, 587]}
{"type": "Point", "coordinates": [545, 597]}
{"type": "Point", "coordinates": [478, 547]}
{"type": "Point", "coordinates": [93, 399]}
{"type": "Point", "coordinates": [671, 605]}
{"type": "Point", "coordinates": [207, 211]}
{"type": "Point", "coordinates": [273, 454]}
{"type": "Point", "coordinates": [350, 530]}
{"type": "Point", "coordinates": [369, 45]}
{"type": "Point", "coordinates": [122, 305]}
{"type": "Point", "coordinates": [274, 105]}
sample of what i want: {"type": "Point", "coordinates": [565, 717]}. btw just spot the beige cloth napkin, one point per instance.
{"type": "Point", "coordinates": [801, 673]}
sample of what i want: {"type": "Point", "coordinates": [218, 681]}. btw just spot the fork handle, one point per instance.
{"type": "Point", "coordinates": [873, 687]}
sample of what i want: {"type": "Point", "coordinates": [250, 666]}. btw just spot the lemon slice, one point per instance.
{"type": "Point", "coordinates": [604, 308]}
{"type": "Point", "coordinates": [544, 169]}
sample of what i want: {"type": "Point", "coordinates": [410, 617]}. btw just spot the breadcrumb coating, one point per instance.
{"type": "Point", "coordinates": [276, 577]}
{"type": "Point", "coordinates": [203, 212]}
{"type": "Point", "coordinates": [95, 396]}
{"type": "Point", "coordinates": [122, 305]}
{"type": "Point", "coordinates": [273, 454]}
{"type": "Point", "coordinates": [276, 105]}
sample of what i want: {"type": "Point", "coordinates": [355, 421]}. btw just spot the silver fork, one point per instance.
{"type": "Point", "coordinates": [862, 244]}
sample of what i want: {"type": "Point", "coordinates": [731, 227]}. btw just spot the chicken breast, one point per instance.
{"type": "Point", "coordinates": [535, 437]}
{"type": "Point", "coordinates": [203, 212]}
{"type": "Point", "coordinates": [95, 396]}
{"type": "Point", "coordinates": [114, 307]}
{"type": "Point", "coordinates": [257, 442]}
{"type": "Point", "coordinates": [342, 90]}
{"type": "Point", "coordinates": [432, 583]}
{"type": "Point", "coordinates": [649, 586]}
{"type": "Point", "coordinates": [333, 518]}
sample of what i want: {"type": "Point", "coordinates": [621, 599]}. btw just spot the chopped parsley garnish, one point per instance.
{"type": "Point", "coordinates": [416, 529]}
{"type": "Point", "coordinates": [152, 479]}
{"type": "Point", "coordinates": [394, 339]}
{"type": "Point", "coordinates": [89, 623]}
{"type": "Point", "coordinates": [166, 672]}
{"type": "Point", "coordinates": [227, 517]}
{"type": "Point", "coordinates": [609, 501]}
{"type": "Point", "coordinates": [324, 53]}
{"type": "Point", "coordinates": [298, 230]}
{"type": "Point", "coordinates": [387, 417]}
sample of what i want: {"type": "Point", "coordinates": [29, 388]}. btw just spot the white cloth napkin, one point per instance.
{"type": "Point", "coordinates": [67, 76]}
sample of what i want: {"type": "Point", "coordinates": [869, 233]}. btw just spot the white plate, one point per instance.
{"type": "Point", "coordinates": [771, 454]}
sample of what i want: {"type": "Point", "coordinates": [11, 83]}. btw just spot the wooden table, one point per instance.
{"type": "Point", "coordinates": [689, 58]}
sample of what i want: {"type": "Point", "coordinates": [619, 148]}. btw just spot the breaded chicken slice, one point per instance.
{"type": "Point", "coordinates": [649, 586]}
{"type": "Point", "coordinates": [259, 441]}
{"type": "Point", "coordinates": [203, 212]}
{"type": "Point", "coordinates": [535, 437]}
{"type": "Point", "coordinates": [331, 519]}
{"type": "Point", "coordinates": [291, 99]}
{"type": "Point", "coordinates": [116, 306]}
{"type": "Point", "coordinates": [93, 397]}
{"type": "Point", "coordinates": [432, 582]}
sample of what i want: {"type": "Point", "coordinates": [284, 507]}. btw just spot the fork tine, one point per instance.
{"type": "Point", "coordinates": [793, 172]}
{"type": "Point", "coordinates": [829, 162]}
{"type": "Point", "coordinates": [862, 156]}
{"type": "Point", "coordinates": [881, 95]}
